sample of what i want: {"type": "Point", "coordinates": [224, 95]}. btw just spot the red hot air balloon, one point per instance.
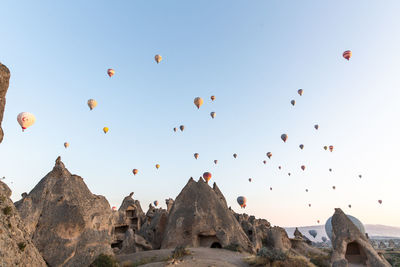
{"type": "Point", "coordinates": [110, 72]}
{"type": "Point", "coordinates": [207, 176]}
{"type": "Point", "coordinates": [114, 208]}
{"type": "Point", "coordinates": [135, 171]}
{"type": "Point", "coordinates": [347, 54]}
{"type": "Point", "coordinates": [284, 137]}
{"type": "Point", "coordinates": [331, 148]}
{"type": "Point", "coordinates": [212, 98]}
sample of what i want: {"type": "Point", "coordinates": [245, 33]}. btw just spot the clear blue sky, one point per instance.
{"type": "Point", "coordinates": [253, 56]}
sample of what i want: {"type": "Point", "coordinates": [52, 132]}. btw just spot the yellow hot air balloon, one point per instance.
{"type": "Point", "coordinates": [212, 114]}
{"type": "Point", "coordinates": [105, 130]}
{"type": "Point", "coordinates": [157, 166]}
{"type": "Point", "coordinates": [92, 103]}
{"type": "Point", "coordinates": [110, 72]}
{"type": "Point", "coordinates": [25, 120]}
{"type": "Point", "coordinates": [198, 101]}
{"type": "Point", "coordinates": [66, 145]}
{"type": "Point", "coordinates": [158, 58]}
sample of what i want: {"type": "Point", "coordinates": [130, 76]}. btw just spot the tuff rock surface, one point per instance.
{"type": "Point", "coordinates": [4, 83]}
{"type": "Point", "coordinates": [69, 225]}
{"type": "Point", "coordinates": [16, 246]}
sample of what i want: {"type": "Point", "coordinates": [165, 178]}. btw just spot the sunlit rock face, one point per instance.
{"type": "Point", "coordinates": [4, 82]}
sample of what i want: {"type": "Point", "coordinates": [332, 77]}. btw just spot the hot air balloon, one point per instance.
{"type": "Point", "coordinates": [155, 203]}
{"type": "Point", "coordinates": [212, 114]}
{"type": "Point", "coordinates": [301, 146]}
{"type": "Point", "coordinates": [316, 126]}
{"type": "Point", "coordinates": [158, 58]}
{"type": "Point", "coordinates": [207, 176]}
{"type": "Point", "coordinates": [289, 174]}
{"type": "Point", "coordinates": [25, 120]}
{"type": "Point", "coordinates": [293, 102]}
{"type": "Point", "coordinates": [114, 208]}
{"type": "Point", "coordinates": [347, 54]}
{"type": "Point", "coordinates": [325, 147]}
{"type": "Point", "coordinates": [212, 98]}
{"type": "Point", "coordinates": [313, 233]}
{"type": "Point", "coordinates": [157, 166]}
{"type": "Point", "coordinates": [66, 145]}
{"type": "Point", "coordinates": [269, 155]}
{"type": "Point", "coordinates": [380, 201]}
{"type": "Point", "coordinates": [306, 190]}
{"type": "Point", "coordinates": [92, 103]}
{"type": "Point", "coordinates": [182, 127]}
{"type": "Point", "coordinates": [235, 155]}
{"type": "Point", "coordinates": [330, 148]}
{"type": "Point", "coordinates": [309, 205]}
{"type": "Point", "coordinates": [215, 161]}
{"type": "Point", "coordinates": [242, 201]}
{"type": "Point", "coordinates": [324, 239]}
{"type": "Point", "coordinates": [264, 161]}
{"type": "Point", "coordinates": [198, 101]}
{"type": "Point", "coordinates": [359, 176]}
{"type": "Point", "coordinates": [284, 137]}
{"type": "Point", "coordinates": [280, 167]}
{"type": "Point", "coordinates": [250, 180]}
{"type": "Point", "coordinates": [317, 221]}
{"type": "Point", "coordinates": [270, 188]}
{"type": "Point", "coordinates": [350, 206]}
{"type": "Point", "coordinates": [105, 130]}
{"type": "Point", "coordinates": [300, 92]}
{"type": "Point", "coordinates": [110, 72]}
{"type": "Point", "coordinates": [135, 171]}
{"type": "Point", "coordinates": [196, 155]}
{"type": "Point", "coordinates": [333, 187]}
{"type": "Point", "coordinates": [175, 129]}
{"type": "Point", "coordinates": [303, 167]}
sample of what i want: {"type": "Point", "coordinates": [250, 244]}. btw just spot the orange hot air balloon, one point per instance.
{"type": "Point", "coordinates": [301, 146]}
{"type": "Point", "coordinates": [215, 161]}
{"type": "Point", "coordinates": [347, 54]}
{"type": "Point", "coordinates": [303, 167]}
{"type": "Point", "coordinates": [269, 155]}
{"type": "Point", "coordinates": [212, 98]}
{"type": "Point", "coordinates": [155, 203]}
{"type": "Point", "coordinates": [157, 166]}
{"type": "Point", "coordinates": [250, 180]}
{"type": "Point", "coordinates": [135, 171]}
{"type": "Point", "coordinates": [300, 92]}
{"type": "Point", "coordinates": [158, 58]}
{"type": "Point", "coordinates": [105, 129]}
{"type": "Point", "coordinates": [330, 148]}
{"type": "Point", "coordinates": [198, 101]}
{"type": "Point", "coordinates": [175, 129]}
{"type": "Point", "coordinates": [110, 72]}
{"type": "Point", "coordinates": [235, 155]}
{"type": "Point", "coordinates": [241, 200]}
{"type": "Point", "coordinates": [316, 126]}
{"type": "Point", "coordinates": [264, 161]}
{"type": "Point", "coordinates": [284, 137]}
{"type": "Point", "coordinates": [380, 201]}
{"type": "Point", "coordinates": [325, 147]}
{"type": "Point", "coordinates": [293, 102]}
{"type": "Point", "coordinates": [207, 176]}
{"type": "Point", "coordinates": [196, 155]}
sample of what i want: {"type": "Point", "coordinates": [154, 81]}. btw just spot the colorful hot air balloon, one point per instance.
{"type": "Point", "coordinates": [293, 102]}
{"type": "Point", "coordinates": [212, 114]}
{"type": "Point", "coordinates": [250, 180]}
{"type": "Point", "coordinates": [300, 92]}
{"type": "Point", "coordinates": [155, 203]}
{"type": "Point", "coordinates": [380, 201]}
{"type": "Point", "coordinates": [114, 208]}
{"type": "Point", "coordinates": [25, 120]}
{"type": "Point", "coordinates": [196, 155]}
{"type": "Point", "coordinates": [303, 167]}
{"type": "Point", "coordinates": [92, 103]}
{"type": "Point", "coordinates": [157, 166]}
{"type": "Point", "coordinates": [212, 98]}
{"type": "Point", "coordinates": [105, 130]}
{"type": "Point", "coordinates": [347, 54]}
{"type": "Point", "coordinates": [182, 127]}
{"type": "Point", "coordinates": [330, 148]}
{"type": "Point", "coordinates": [316, 126]}
{"type": "Point", "coordinates": [235, 155]}
{"type": "Point", "coordinates": [215, 161]}
{"type": "Point", "coordinates": [301, 146]}
{"type": "Point", "coordinates": [207, 176]}
{"type": "Point", "coordinates": [66, 145]}
{"type": "Point", "coordinates": [135, 171]}
{"type": "Point", "coordinates": [284, 137]}
{"type": "Point", "coordinates": [325, 147]}
{"type": "Point", "coordinates": [158, 58]}
{"type": "Point", "coordinates": [110, 72]}
{"type": "Point", "coordinates": [242, 201]}
{"type": "Point", "coordinates": [269, 155]}
{"type": "Point", "coordinates": [198, 101]}
{"type": "Point", "coordinates": [264, 161]}
{"type": "Point", "coordinates": [175, 129]}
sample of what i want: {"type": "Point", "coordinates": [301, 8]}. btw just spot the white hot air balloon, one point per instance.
{"type": "Point", "coordinates": [25, 119]}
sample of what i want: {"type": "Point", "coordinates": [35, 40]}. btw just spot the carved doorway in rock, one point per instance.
{"type": "Point", "coordinates": [216, 245]}
{"type": "Point", "coordinates": [208, 241]}
{"type": "Point", "coordinates": [355, 255]}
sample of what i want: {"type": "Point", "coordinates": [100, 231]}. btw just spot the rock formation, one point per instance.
{"type": "Point", "coordinates": [69, 225]}
{"type": "Point", "coordinates": [154, 226]}
{"type": "Point", "coordinates": [170, 203]}
{"type": "Point", "coordinates": [200, 217]}
{"type": "Point", "coordinates": [391, 244]}
{"type": "Point", "coordinates": [16, 246]}
{"type": "Point", "coordinates": [4, 82]}
{"type": "Point", "coordinates": [350, 245]}
{"type": "Point", "coordinates": [381, 245]}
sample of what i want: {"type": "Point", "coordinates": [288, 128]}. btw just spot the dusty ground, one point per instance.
{"type": "Point", "coordinates": [200, 257]}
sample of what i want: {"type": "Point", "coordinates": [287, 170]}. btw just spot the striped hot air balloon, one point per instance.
{"type": "Point", "coordinates": [110, 72]}
{"type": "Point", "coordinates": [347, 54]}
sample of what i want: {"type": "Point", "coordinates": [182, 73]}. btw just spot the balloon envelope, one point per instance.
{"type": "Point", "coordinates": [110, 72]}
{"type": "Point", "coordinates": [105, 130]}
{"type": "Point", "coordinates": [92, 103]}
{"type": "Point", "coordinates": [207, 176]}
{"type": "Point", "coordinates": [155, 203]}
{"type": "Point", "coordinates": [157, 166]}
{"type": "Point", "coordinates": [269, 155]}
{"type": "Point", "coordinates": [293, 102]}
{"type": "Point", "coordinates": [66, 145]}
{"type": "Point", "coordinates": [25, 120]}
{"type": "Point", "coordinates": [158, 58]}
{"type": "Point", "coordinates": [196, 155]}
{"type": "Point", "coordinates": [198, 101]}
{"type": "Point", "coordinates": [212, 114]}
{"type": "Point", "coordinates": [347, 54]}
{"type": "Point", "coordinates": [300, 92]}
{"type": "Point", "coordinates": [241, 200]}
{"type": "Point", "coordinates": [284, 137]}
{"type": "Point", "coordinates": [212, 98]}
{"type": "Point", "coordinates": [182, 127]}
{"type": "Point", "coordinates": [135, 171]}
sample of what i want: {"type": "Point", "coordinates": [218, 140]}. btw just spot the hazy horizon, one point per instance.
{"type": "Point", "coordinates": [253, 56]}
